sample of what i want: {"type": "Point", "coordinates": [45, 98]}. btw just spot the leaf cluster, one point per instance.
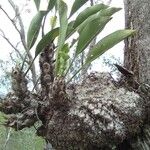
{"type": "Point", "coordinates": [88, 24]}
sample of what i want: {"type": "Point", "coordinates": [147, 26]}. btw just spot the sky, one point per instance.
{"type": "Point", "coordinates": [116, 23]}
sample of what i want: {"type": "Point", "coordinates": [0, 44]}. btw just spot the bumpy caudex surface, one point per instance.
{"type": "Point", "coordinates": [96, 113]}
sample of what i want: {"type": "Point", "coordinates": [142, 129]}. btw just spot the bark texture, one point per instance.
{"type": "Point", "coordinates": [101, 115]}
{"type": "Point", "coordinates": [137, 54]}
{"type": "Point", "coordinates": [98, 113]}
{"type": "Point", "coordinates": [137, 48]}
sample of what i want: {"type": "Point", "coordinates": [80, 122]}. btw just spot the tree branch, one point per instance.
{"type": "Point", "coordinates": [22, 36]}
{"type": "Point", "coordinates": [10, 43]}
{"type": "Point", "coordinates": [12, 21]}
{"type": "Point", "coordinates": [21, 32]}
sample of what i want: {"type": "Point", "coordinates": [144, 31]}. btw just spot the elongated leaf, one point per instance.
{"type": "Point", "coordinates": [102, 13]}
{"type": "Point", "coordinates": [37, 4]}
{"type": "Point", "coordinates": [34, 28]}
{"type": "Point", "coordinates": [105, 11]}
{"type": "Point", "coordinates": [103, 45]}
{"type": "Point", "coordinates": [95, 22]}
{"type": "Point", "coordinates": [88, 12]}
{"type": "Point", "coordinates": [51, 4]}
{"type": "Point", "coordinates": [76, 5]}
{"type": "Point", "coordinates": [87, 35]}
{"type": "Point", "coordinates": [108, 42]}
{"type": "Point", "coordinates": [70, 29]}
{"type": "Point", "coordinates": [87, 21]}
{"type": "Point", "coordinates": [62, 8]}
{"type": "Point", "coordinates": [48, 38]}
{"type": "Point", "coordinates": [109, 11]}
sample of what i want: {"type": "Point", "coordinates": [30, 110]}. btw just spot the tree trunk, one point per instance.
{"type": "Point", "coordinates": [137, 48]}
{"type": "Point", "coordinates": [137, 52]}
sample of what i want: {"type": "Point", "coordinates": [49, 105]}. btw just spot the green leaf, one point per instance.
{"type": "Point", "coordinates": [103, 45]}
{"type": "Point", "coordinates": [51, 4]}
{"type": "Point", "coordinates": [34, 28]}
{"type": "Point", "coordinates": [87, 21]}
{"type": "Point", "coordinates": [70, 29]}
{"type": "Point", "coordinates": [48, 38]}
{"type": "Point", "coordinates": [102, 13]}
{"type": "Point", "coordinates": [88, 12]}
{"type": "Point", "coordinates": [87, 35]}
{"type": "Point", "coordinates": [106, 43]}
{"type": "Point", "coordinates": [76, 5]}
{"type": "Point", "coordinates": [62, 9]}
{"type": "Point", "coordinates": [109, 11]}
{"type": "Point", "coordinates": [37, 4]}
{"type": "Point", "coordinates": [64, 56]}
{"type": "Point", "coordinates": [95, 22]}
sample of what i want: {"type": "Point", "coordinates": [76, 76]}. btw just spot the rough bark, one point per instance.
{"type": "Point", "coordinates": [137, 53]}
{"type": "Point", "coordinates": [97, 113]}
{"type": "Point", "coordinates": [81, 116]}
{"type": "Point", "coordinates": [137, 48]}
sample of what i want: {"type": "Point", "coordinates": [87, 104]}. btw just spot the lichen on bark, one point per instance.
{"type": "Point", "coordinates": [97, 113]}
{"type": "Point", "coordinates": [101, 115]}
